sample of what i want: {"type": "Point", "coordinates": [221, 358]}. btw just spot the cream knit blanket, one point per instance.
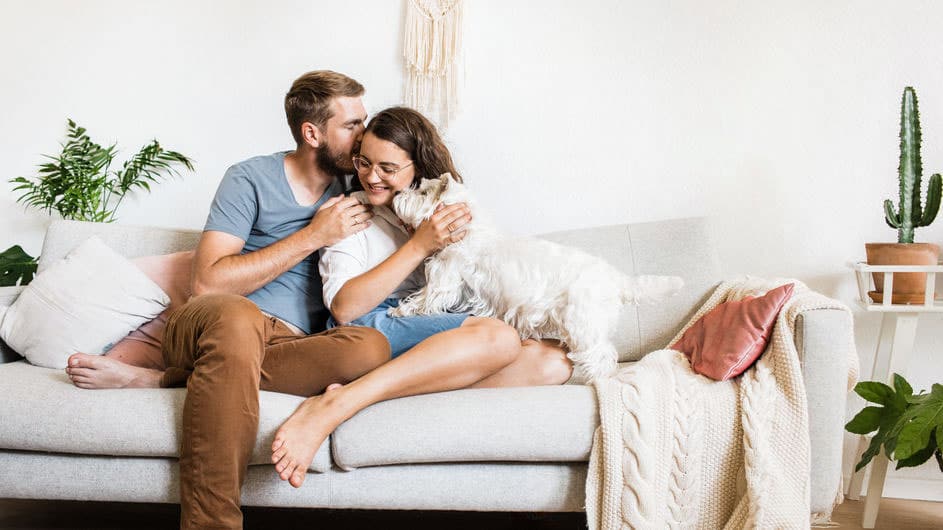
{"type": "Point", "coordinates": [675, 449]}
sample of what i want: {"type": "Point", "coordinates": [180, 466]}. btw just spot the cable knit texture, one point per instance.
{"type": "Point", "coordinates": [677, 450]}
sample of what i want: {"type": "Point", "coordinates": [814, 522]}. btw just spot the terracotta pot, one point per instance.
{"type": "Point", "coordinates": [908, 287]}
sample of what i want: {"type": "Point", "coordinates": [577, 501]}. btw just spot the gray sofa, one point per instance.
{"type": "Point", "coordinates": [516, 449]}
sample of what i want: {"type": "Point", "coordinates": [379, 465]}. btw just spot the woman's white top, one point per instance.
{"type": "Point", "coordinates": [363, 251]}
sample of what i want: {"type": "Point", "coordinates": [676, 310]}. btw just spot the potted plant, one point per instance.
{"type": "Point", "coordinates": [80, 184]}
{"type": "Point", "coordinates": [909, 427]}
{"type": "Point", "coordinates": [910, 214]}
{"type": "Point", "coordinates": [16, 267]}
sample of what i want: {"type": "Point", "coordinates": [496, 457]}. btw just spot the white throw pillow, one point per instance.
{"type": "Point", "coordinates": [84, 302]}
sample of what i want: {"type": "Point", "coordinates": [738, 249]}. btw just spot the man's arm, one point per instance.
{"type": "Point", "coordinates": [219, 266]}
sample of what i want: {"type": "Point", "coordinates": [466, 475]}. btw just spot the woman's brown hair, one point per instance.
{"type": "Point", "coordinates": [414, 133]}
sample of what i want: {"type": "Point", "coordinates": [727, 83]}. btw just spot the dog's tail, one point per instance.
{"type": "Point", "coordinates": [646, 289]}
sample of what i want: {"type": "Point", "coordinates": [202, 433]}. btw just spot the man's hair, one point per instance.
{"type": "Point", "coordinates": [414, 133]}
{"type": "Point", "coordinates": [309, 99]}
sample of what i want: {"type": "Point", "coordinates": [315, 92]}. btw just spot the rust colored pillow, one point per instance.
{"type": "Point", "coordinates": [732, 336]}
{"type": "Point", "coordinates": [171, 272]}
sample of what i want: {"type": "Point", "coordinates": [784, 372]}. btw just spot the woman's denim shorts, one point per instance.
{"type": "Point", "coordinates": [405, 332]}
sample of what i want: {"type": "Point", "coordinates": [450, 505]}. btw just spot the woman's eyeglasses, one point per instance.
{"type": "Point", "coordinates": [384, 171]}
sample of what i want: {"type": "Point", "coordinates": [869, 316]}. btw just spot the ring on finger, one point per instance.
{"type": "Point", "coordinates": [450, 228]}
{"type": "Point", "coordinates": [356, 219]}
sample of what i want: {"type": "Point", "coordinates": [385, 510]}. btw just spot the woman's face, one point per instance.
{"type": "Point", "coordinates": [383, 169]}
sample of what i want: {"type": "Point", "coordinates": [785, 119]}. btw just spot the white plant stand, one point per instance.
{"type": "Point", "coordinates": [895, 344]}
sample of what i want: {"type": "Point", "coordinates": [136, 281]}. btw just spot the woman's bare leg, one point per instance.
{"type": "Point", "coordinates": [446, 361]}
{"type": "Point", "coordinates": [541, 362]}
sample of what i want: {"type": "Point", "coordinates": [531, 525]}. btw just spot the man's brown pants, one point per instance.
{"type": "Point", "coordinates": [225, 350]}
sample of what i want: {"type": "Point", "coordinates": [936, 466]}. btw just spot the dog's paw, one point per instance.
{"type": "Point", "coordinates": [400, 311]}
{"type": "Point", "coordinates": [595, 363]}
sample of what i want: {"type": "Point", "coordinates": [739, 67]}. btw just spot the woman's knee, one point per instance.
{"type": "Point", "coordinates": [498, 339]}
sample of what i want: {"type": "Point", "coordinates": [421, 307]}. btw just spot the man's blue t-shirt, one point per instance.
{"type": "Point", "coordinates": [255, 203]}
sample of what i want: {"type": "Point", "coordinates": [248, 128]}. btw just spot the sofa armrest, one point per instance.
{"type": "Point", "coordinates": [7, 296]}
{"type": "Point", "coordinates": [823, 337]}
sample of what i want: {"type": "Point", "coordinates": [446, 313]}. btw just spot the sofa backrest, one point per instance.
{"type": "Point", "coordinates": [130, 241]}
{"type": "Point", "coordinates": [678, 247]}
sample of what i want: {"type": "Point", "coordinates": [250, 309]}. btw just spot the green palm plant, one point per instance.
{"type": "Point", "coordinates": [80, 184]}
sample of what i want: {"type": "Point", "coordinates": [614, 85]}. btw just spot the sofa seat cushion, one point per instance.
{"type": "Point", "coordinates": [528, 424]}
{"type": "Point", "coordinates": [43, 411]}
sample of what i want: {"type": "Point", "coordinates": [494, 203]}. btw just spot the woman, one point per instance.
{"type": "Point", "coordinates": [369, 272]}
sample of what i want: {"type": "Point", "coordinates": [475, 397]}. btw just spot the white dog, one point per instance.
{"type": "Point", "coordinates": [542, 289]}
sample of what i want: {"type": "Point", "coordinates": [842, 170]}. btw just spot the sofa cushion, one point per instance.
{"type": "Point", "coordinates": [728, 339]}
{"type": "Point", "coordinates": [129, 241]}
{"type": "Point", "coordinates": [8, 295]}
{"type": "Point", "coordinates": [172, 273]}
{"type": "Point", "coordinates": [677, 247]}
{"type": "Point", "coordinates": [527, 424]}
{"type": "Point", "coordinates": [43, 411]}
{"type": "Point", "coordinates": [85, 302]}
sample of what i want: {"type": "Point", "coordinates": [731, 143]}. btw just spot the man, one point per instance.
{"type": "Point", "coordinates": [257, 298]}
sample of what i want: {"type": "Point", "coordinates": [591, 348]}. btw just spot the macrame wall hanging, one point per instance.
{"type": "Point", "coordinates": [432, 48]}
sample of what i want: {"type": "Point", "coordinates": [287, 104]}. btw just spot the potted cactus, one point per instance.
{"type": "Point", "coordinates": [910, 214]}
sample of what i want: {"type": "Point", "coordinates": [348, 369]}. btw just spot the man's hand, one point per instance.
{"type": "Point", "coordinates": [340, 217]}
{"type": "Point", "coordinates": [446, 226]}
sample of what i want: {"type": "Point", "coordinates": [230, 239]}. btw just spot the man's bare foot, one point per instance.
{"type": "Point", "coordinates": [98, 371]}
{"type": "Point", "coordinates": [299, 438]}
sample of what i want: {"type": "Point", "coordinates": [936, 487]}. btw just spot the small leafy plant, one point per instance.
{"type": "Point", "coordinates": [80, 184]}
{"type": "Point", "coordinates": [16, 266]}
{"type": "Point", "coordinates": [909, 427]}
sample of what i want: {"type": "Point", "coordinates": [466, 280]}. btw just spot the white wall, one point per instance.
{"type": "Point", "coordinates": [779, 120]}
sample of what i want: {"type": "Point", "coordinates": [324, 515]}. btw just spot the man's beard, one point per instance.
{"type": "Point", "coordinates": [336, 164]}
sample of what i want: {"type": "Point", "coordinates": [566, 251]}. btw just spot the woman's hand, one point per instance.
{"type": "Point", "coordinates": [446, 226]}
{"type": "Point", "coordinates": [364, 292]}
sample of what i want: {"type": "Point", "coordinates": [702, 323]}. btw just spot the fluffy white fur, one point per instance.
{"type": "Point", "coordinates": [542, 289]}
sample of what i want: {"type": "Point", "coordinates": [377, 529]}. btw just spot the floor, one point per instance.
{"type": "Point", "coordinates": [895, 514]}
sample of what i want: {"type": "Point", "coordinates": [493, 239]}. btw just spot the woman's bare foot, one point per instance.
{"type": "Point", "coordinates": [98, 371]}
{"type": "Point", "coordinates": [299, 438]}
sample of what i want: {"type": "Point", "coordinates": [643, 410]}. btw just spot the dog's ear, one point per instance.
{"type": "Point", "coordinates": [446, 179]}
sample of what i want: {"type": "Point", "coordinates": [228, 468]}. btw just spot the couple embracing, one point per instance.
{"type": "Point", "coordinates": [291, 284]}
